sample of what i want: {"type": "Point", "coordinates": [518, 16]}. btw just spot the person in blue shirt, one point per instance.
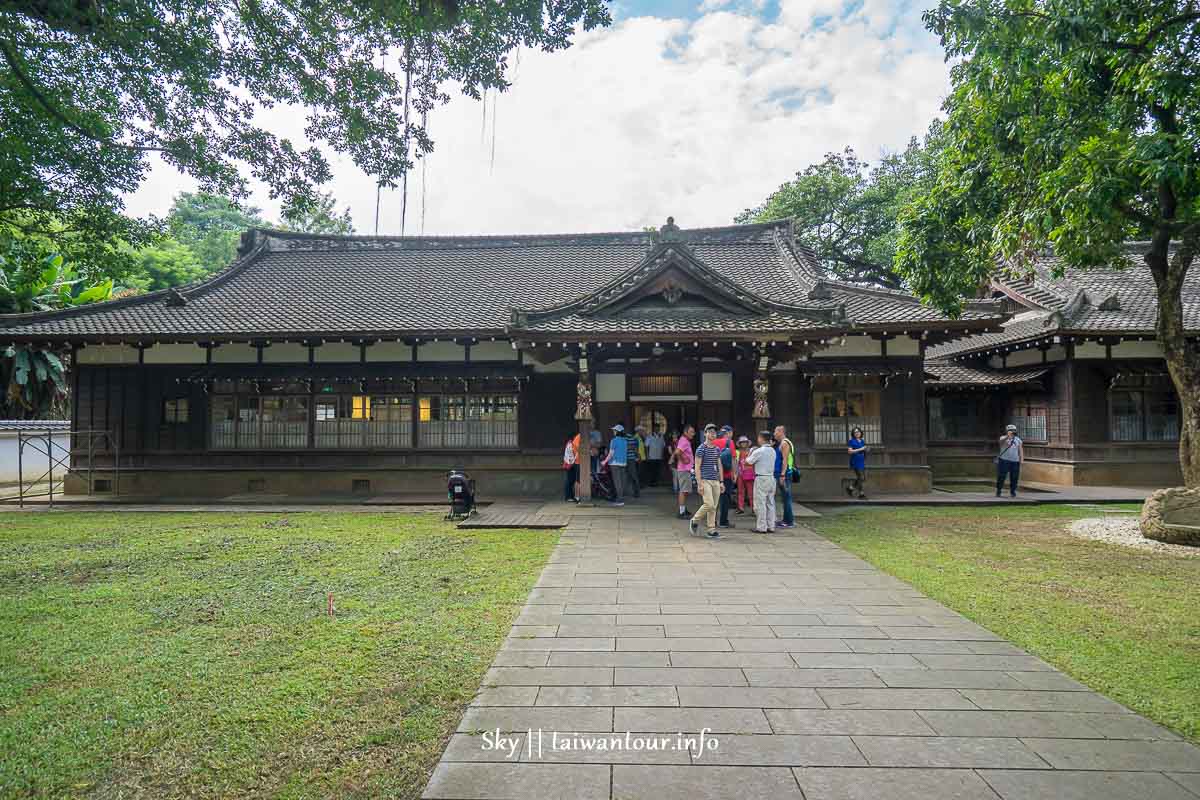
{"type": "Point", "coordinates": [617, 460]}
{"type": "Point", "coordinates": [857, 448]}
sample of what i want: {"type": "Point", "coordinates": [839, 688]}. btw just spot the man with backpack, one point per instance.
{"type": "Point", "coordinates": [724, 443]}
{"type": "Point", "coordinates": [787, 453]}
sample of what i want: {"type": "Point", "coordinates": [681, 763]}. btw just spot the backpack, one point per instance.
{"type": "Point", "coordinates": [726, 457]}
{"type": "Point", "coordinates": [569, 455]}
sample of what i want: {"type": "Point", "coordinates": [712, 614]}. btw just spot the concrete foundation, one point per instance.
{"type": "Point", "coordinates": [492, 482]}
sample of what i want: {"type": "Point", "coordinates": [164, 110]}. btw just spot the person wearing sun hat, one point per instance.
{"type": "Point", "coordinates": [617, 461]}
{"type": "Point", "coordinates": [1008, 463]}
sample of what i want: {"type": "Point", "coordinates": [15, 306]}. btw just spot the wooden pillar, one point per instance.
{"type": "Point", "coordinates": [585, 418]}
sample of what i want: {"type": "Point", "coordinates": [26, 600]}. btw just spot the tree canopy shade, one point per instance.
{"type": "Point", "coordinates": [1074, 123]}
{"type": "Point", "coordinates": [89, 91]}
{"type": "Point", "coordinates": [845, 211]}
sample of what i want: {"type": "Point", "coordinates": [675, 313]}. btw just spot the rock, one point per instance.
{"type": "Point", "coordinates": [1173, 516]}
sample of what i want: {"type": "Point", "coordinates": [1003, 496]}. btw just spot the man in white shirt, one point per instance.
{"type": "Point", "coordinates": [763, 459]}
{"type": "Point", "coordinates": [656, 448]}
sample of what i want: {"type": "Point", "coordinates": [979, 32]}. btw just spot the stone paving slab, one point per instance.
{"type": "Point", "coordinates": [804, 672]}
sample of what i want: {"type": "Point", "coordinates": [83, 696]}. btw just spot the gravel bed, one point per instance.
{"type": "Point", "coordinates": [1125, 530]}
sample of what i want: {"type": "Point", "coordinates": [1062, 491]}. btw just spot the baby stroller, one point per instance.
{"type": "Point", "coordinates": [602, 484]}
{"type": "Point", "coordinates": [460, 492]}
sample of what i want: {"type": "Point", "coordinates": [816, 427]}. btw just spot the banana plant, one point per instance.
{"type": "Point", "coordinates": [33, 380]}
{"type": "Point", "coordinates": [45, 285]}
{"type": "Point", "coordinates": [35, 384]}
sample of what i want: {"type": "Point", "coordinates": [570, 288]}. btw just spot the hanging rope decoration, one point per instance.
{"type": "Point", "coordinates": [404, 178]}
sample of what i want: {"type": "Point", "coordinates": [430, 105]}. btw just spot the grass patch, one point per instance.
{"type": "Point", "coordinates": [190, 655]}
{"type": "Point", "coordinates": [1120, 620]}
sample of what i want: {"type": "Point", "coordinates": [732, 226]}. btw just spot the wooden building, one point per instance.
{"type": "Point", "coordinates": [1076, 369]}
{"type": "Point", "coordinates": [372, 364]}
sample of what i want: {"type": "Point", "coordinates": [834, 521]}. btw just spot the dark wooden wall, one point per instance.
{"type": "Point", "coordinates": [127, 401]}
{"type": "Point", "coordinates": [547, 412]}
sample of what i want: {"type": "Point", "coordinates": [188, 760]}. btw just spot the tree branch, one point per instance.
{"type": "Point", "coordinates": [10, 57]}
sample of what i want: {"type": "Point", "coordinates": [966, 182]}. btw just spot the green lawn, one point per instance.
{"type": "Point", "coordinates": [1125, 622]}
{"type": "Point", "coordinates": [171, 655]}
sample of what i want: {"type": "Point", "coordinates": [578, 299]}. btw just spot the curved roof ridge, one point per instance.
{"type": "Point", "coordinates": [631, 238]}
{"type": "Point", "coordinates": [805, 273]}
{"type": "Point", "coordinates": [187, 290]}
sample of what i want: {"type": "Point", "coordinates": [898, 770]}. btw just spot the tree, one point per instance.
{"type": "Point", "coordinates": [164, 264]}
{"type": "Point", "coordinates": [210, 226]}
{"type": "Point", "coordinates": [319, 217]}
{"type": "Point", "coordinates": [34, 378]}
{"type": "Point", "coordinates": [846, 212]}
{"type": "Point", "coordinates": [90, 91]}
{"type": "Point", "coordinates": [1074, 123]}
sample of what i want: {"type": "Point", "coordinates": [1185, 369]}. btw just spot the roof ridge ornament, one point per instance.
{"type": "Point", "coordinates": [670, 232]}
{"type": "Point", "coordinates": [175, 298]}
{"type": "Point", "coordinates": [820, 291]}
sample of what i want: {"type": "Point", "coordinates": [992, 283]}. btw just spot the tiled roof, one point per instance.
{"type": "Point", "coordinates": [288, 285]}
{"type": "Point", "coordinates": [945, 373]}
{"type": "Point", "coordinates": [1095, 302]}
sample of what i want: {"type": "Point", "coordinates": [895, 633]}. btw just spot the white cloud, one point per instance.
{"type": "Point", "coordinates": [698, 119]}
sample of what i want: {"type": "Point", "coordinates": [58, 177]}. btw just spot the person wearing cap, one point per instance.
{"type": "Point", "coordinates": [744, 476]}
{"type": "Point", "coordinates": [708, 478]}
{"type": "Point", "coordinates": [724, 441]}
{"type": "Point", "coordinates": [617, 459]}
{"type": "Point", "coordinates": [762, 459]}
{"type": "Point", "coordinates": [1008, 463]}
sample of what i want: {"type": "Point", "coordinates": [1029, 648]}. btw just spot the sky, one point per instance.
{"type": "Point", "coordinates": [695, 109]}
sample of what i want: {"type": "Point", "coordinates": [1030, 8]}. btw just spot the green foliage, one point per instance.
{"type": "Point", "coordinates": [318, 217]}
{"type": "Point", "coordinates": [33, 378]}
{"type": "Point", "coordinates": [90, 91]}
{"type": "Point", "coordinates": [1074, 123]}
{"type": "Point", "coordinates": [27, 285]}
{"type": "Point", "coordinates": [1070, 122]}
{"type": "Point", "coordinates": [164, 264]}
{"type": "Point", "coordinates": [210, 226]}
{"type": "Point", "coordinates": [845, 211]}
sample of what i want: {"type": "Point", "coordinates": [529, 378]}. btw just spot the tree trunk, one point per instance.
{"type": "Point", "coordinates": [1182, 355]}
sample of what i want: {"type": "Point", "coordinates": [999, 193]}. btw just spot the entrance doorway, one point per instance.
{"type": "Point", "coordinates": [665, 416]}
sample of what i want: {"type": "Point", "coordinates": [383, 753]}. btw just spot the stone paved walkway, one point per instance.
{"type": "Point", "coordinates": [818, 676]}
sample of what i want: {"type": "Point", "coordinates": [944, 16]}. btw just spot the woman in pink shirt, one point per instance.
{"type": "Point", "coordinates": [744, 476]}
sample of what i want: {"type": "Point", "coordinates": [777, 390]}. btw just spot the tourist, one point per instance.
{"type": "Point", "coordinates": [637, 454]}
{"type": "Point", "coordinates": [787, 453]}
{"type": "Point", "coordinates": [857, 448]}
{"type": "Point", "coordinates": [708, 477]}
{"type": "Point", "coordinates": [745, 476]}
{"type": "Point", "coordinates": [656, 446]}
{"type": "Point", "coordinates": [571, 468]}
{"type": "Point", "coordinates": [616, 461]}
{"type": "Point", "coordinates": [724, 443]}
{"type": "Point", "coordinates": [681, 468]}
{"type": "Point", "coordinates": [1008, 463]}
{"type": "Point", "coordinates": [762, 460]}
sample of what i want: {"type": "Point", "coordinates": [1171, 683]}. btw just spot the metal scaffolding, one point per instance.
{"type": "Point", "coordinates": [56, 456]}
